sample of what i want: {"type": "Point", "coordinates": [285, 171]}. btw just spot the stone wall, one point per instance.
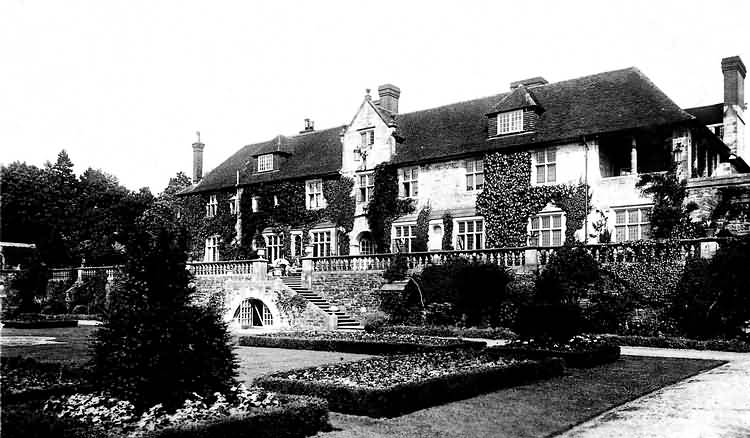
{"type": "Point", "coordinates": [351, 290]}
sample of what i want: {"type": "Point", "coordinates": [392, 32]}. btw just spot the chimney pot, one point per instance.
{"type": "Point", "coordinates": [309, 126]}
{"type": "Point", "coordinates": [389, 95]}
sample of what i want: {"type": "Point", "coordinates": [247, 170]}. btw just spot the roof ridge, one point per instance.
{"type": "Point", "coordinates": [317, 131]}
{"type": "Point", "coordinates": [656, 87]}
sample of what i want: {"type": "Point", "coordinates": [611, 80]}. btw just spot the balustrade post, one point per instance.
{"type": "Point", "coordinates": [260, 269]}
{"type": "Point", "coordinates": [531, 259]}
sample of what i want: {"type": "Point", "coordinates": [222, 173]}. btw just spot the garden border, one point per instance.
{"type": "Point", "coordinates": [404, 398]}
{"type": "Point", "coordinates": [352, 346]}
{"type": "Point", "coordinates": [573, 359]}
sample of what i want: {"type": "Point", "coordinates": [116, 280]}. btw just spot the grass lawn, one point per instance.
{"type": "Point", "coordinates": [69, 344]}
{"type": "Point", "coordinates": [541, 409]}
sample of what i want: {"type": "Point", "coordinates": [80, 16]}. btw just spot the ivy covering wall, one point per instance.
{"type": "Point", "coordinates": [280, 206]}
{"type": "Point", "coordinates": [385, 205]}
{"type": "Point", "coordinates": [509, 200]}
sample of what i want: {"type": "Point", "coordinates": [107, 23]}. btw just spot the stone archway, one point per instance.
{"type": "Point", "coordinates": [253, 313]}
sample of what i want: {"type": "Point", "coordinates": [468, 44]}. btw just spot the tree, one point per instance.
{"type": "Point", "coordinates": [670, 217]}
{"type": "Point", "coordinates": [155, 346]}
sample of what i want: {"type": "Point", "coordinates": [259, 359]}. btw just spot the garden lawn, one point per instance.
{"type": "Point", "coordinates": [539, 409]}
{"type": "Point", "coordinates": [70, 344]}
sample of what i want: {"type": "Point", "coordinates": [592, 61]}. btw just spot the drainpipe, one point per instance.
{"type": "Point", "coordinates": [586, 182]}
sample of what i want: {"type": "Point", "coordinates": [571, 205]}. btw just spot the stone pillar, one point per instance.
{"type": "Point", "coordinates": [531, 257]}
{"type": "Point", "coordinates": [260, 269]}
{"type": "Point", "coordinates": [307, 267]}
{"type": "Point", "coordinates": [633, 157]}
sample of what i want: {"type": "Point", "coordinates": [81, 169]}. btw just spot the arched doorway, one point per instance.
{"type": "Point", "coordinates": [253, 313]}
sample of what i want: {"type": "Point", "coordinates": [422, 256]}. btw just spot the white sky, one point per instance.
{"type": "Point", "coordinates": [124, 85]}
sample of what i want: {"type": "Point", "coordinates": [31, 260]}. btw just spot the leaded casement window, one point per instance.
{"type": "Point", "coordinates": [409, 182]}
{"type": "Point", "coordinates": [546, 230]}
{"type": "Point", "coordinates": [314, 194]}
{"type": "Point", "coordinates": [234, 204]}
{"type": "Point", "coordinates": [474, 174]}
{"type": "Point", "coordinates": [365, 187]}
{"type": "Point", "coordinates": [632, 223]}
{"type": "Point", "coordinates": [265, 162]}
{"type": "Point", "coordinates": [274, 246]}
{"type": "Point", "coordinates": [545, 165]}
{"type": "Point", "coordinates": [212, 249]}
{"type": "Point", "coordinates": [509, 122]}
{"type": "Point", "coordinates": [211, 206]}
{"type": "Point", "coordinates": [403, 237]}
{"type": "Point", "coordinates": [366, 246]}
{"type": "Point", "coordinates": [321, 243]}
{"type": "Point", "coordinates": [470, 234]}
{"type": "Point", "coordinates": [367, 137]}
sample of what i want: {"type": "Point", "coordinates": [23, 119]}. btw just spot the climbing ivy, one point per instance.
{"type": "Point", "coordinates": [385, 206]}
{"type": "Point", "coordinates": [421, 230]}
{"type": "Point", "coordinates": [509, 200]}
{"type": "Point", "coordinates": [222, 224]}
{"type": "Point", "coordinates": [340, 208]}
{"type": "Point", "coordinates": [447, 244]}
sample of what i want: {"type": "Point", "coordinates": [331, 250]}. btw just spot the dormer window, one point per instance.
{"type": "Point", "coordinates": [509, 122]}
{"type": "Point", "coordinates": [265, 163]}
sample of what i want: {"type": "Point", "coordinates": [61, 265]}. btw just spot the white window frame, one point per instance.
{"type": "Point", "coordinates": [212, 206]}
{"type": "Point", "coordinates": [367, 137]}
{"type": "Point", "coordinates": [401, 240]}
{"type": "Point", "coordinates": [323, 242]}
{"type": "Point", "coordinates": [545, 162]}
{"type": "Point", "coordinates": [365, 191]}
{"type": "Point", "coordinates": [234, 204]}
{"type": "Point", "coordinates": [473, 174]}
{"type": "Point", "coordinates": [630, 225]}
{"type": "Point", "coordinates": [274, 246]}
{"type": "Point", "coordinates": [462, 227]}
{"type": "Point", "coordinates": [543, 224]}
{"type": "Point", "coordinates": [409, 182]}
{"type": "Point", "coordinates": [265, 162]}
{"type": "Point", "coordinates": [314, 199]}
{"type": "Point", "coordinates": [211, 253]}
{"type": "Point", "coordinates": [510, 122]}
{"type": "Point", "coordinates": [367, 246]}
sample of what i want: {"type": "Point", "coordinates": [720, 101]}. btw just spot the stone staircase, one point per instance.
{"type": "Point", "coordinates": [345, 321]}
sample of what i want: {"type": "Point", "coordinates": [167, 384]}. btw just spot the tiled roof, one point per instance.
{"type": "Point", "coordinates": [606, 102]}
{"type": "Point", "coordinates": [518, 98]}
{"type": "Point", "coordinates": [311, 154]}
{"type": "Point", "coordinates": [709, 114]}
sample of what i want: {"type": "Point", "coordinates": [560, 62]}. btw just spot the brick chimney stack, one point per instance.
{"type": "Point", "coordinates": [198, 160]}
{"type": "Point", "coordinates": [389, 94]}
{"type": "Point", "coordinates": [734, 105]}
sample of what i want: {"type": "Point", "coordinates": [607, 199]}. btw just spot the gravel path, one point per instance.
{"type": "Point", "coordinates": [712, 404]}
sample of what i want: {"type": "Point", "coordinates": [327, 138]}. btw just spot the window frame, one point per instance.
{"type": "Point", "coordinates": [469, 235]}
{"type": "Point", "coordinates": [274, 246]}
{"type": "Point", "coordinates": [211, 250]}
{"type": "Point", "coordinates": [412, 183]}
{"type": "Point", "coordinates": [325, 247]}
{"type": "Point", "coordinates": [408, 240]}
{"type": "Point", "coordinates": [365, 193]}
{"type": "Point", "coordinates": [212, 206]}
{"type": "Point", "coordinates": [638, 225]}
{"type": "Point", "coordinates": [537, 241]}
{"type": "Point", "coordinates": [472, 174]}
{"type": "Point", "coordinates": [265, 163]}
{"type": "Point", "coordinates": [367, 137]}
{"type": "Point", "coordinates": [510, 122]}
{"type": "Point", "coordinates": [234, 204]}
{"type": "Point", "coordinates": [546, 165]}
{"type": "Point", "coordinates": [314, 194]}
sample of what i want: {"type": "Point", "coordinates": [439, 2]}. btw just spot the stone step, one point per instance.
{"type": "Point", "coordinates": [345, 322]}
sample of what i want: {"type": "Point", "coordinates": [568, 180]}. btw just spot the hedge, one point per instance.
{"type": "Point", "coordinates": [76, 377]}
{"type": "Point", "coordinates": [734, 345]}
{"type": "Point", "coordinates": [45, 316]}
{"type": "Point", "coordinates": [449, 331]}
{"type": "Point", "coordinates": [573, 359]}
{"type": "Point", "coordinates": [404, 398]}
{"type": "Point", "coordinates": [298, 416]}
{"type": "Point", "coordinates": [351, 346]}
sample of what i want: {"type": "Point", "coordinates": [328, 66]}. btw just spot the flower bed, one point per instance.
{"type": "Point", "coordinates": [395, 385]}
{"type": "Point", "coordinates": [40, 323]}
{"type": "Point", "coordinates": [24, 379]}
{"type": "Point", "coordinates": [357, 342]}
{"type": "Point", "coordinates": [579, 352]}
{"type": "Point", "coordinates": [245, 412]}
{"type": "Point", "coordinates": [735, 345]}
{"type": "Point", "coordinates": [443, 330]}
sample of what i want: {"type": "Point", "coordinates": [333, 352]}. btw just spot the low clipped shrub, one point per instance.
{"type": "Point", "coordinates": [735, 345]}
{"type": "Point", "coordinates": [577, 352]}
{"type": "Point", "coordinates": [452, 331]}
{"type": "Point", "coordinates": [374, 321]}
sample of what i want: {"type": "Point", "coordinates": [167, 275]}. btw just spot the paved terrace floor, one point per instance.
{"type": "Point", "coordinates": [712, 404]}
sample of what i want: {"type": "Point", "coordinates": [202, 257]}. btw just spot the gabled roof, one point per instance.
{"type": "Point", "coordinates": [517, 99]}
{"type": "Point", "coordinates": [709, 114]}
{"type": "Point", "coordinates": [316, 153]}
{"type": "Point", "coordinates": [605, 102]}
